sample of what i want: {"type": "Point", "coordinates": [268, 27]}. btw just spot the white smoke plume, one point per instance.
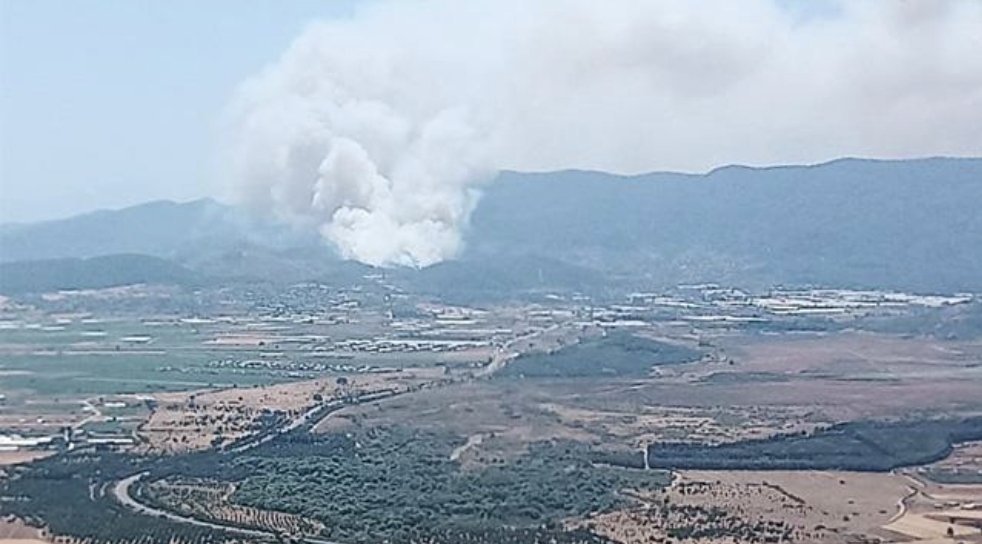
{"type": "Point", "coordinates": [380, 129]}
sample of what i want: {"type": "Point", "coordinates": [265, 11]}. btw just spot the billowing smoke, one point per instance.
{"type": "Point", "coordinates": [380, 129]}
{"type": "Point", "coordinates": [360, 136]}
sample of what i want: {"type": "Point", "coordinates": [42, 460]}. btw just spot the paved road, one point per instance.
{"type": "Point", "coordinates": [295, 424]}
{"type": "Point", "coordinates": [121, 491]}
{"type": "Point", "coordinates": [122, 488]}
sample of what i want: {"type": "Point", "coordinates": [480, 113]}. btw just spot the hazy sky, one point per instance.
{"type": "Point", "coordinates": [108, 103]}
{"type": "Point", "coordinates": [104, 103]}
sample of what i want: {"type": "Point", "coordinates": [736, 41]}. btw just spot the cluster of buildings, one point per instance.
{"type": "Point", "coordinates": [405, 345]}
{"type": "Point", "coordinates": [712, 303]}
{"type": "Point", "coordinates": [66, 439]}
{"type": "Point", "coordinates": [17, 442]}
{"type": "Point", "coordinates": [299, 366]}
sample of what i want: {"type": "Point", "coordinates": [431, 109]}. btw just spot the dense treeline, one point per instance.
{"type": "Point", "coordinates": [384, 484]}
{"type": "Point", "coordinates": [72, 495]}
{"type": "Point", "coordinates": [400, 485]}
{"type": "Point", "coordinates": [862, 446]}
{"type": "Point", "coordinates": [617, 354]}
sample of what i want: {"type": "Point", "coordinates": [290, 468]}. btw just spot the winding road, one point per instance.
{"type": "Point", "coordinates": [914, 489]}
{"type": "Point", "coordinates": [506, 354]}
{"type": "Point", "coordinates": [122, 490]}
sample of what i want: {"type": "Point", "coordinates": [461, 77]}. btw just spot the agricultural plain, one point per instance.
{"type": "Point", "coordinates": [515, 422]}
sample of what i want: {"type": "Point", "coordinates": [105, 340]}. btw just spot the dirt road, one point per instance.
{"type": "Point", "coordinates": [506, 353]}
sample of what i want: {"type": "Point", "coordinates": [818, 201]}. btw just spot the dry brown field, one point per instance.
{"type": "Point", "coordinates": [187, 421]}
{"type": "Point", "coordinates": [821, 507]}
{"type": "Point", "coordinates": [866, 356]}
{"type": "Point", "coordinates": [510, 415]}
{"type": "Point", "coordinates": [835, 377]}
{"type": "Point", "coordinates": [814, 506]}
{"type": "Point", "coordinates": [775, 385]}
{"type": "Point", "coordinates": [934, 512]}
{"type": "Point", "coordinates": [8, 458]}
{"type": "Point", "coordinates": [13, 531]}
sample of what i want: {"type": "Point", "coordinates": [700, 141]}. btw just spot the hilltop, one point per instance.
{"type": "Point", "coordinates": [906, 224]}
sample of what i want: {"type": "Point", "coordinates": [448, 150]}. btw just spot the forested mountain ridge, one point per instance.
{"type": "Point", "coordinates": [906, 224]}
{"type": "Point", "coordinates": [911, 224]}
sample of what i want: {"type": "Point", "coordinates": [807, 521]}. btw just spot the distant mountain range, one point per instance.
{"type": "Point", "coordinates": [50, 275]}
{"type": "Point", "coordinates": [160, 228]}
{"type": "Point", "coordinates": [910, 224]}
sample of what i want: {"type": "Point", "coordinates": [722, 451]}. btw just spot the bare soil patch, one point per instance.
{"type": "Point", "coordinates": [934, 512]}
{"type": "Point", "coordinates": [14, 531]}
{"type": "Point", "coordinates": [847, 352]}
{"type": "Point", "coordinates": [8, 458]}
{"type": "Point", "coordinates": [808, 506]}
{"type": "Point", "coordinates": [194, 420]}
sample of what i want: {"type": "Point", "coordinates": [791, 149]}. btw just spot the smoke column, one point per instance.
{"type": "Point", "coordinates": [379, 130]}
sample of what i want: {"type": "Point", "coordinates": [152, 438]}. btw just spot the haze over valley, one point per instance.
{"type": "Point", "coordinates": [538, 272]}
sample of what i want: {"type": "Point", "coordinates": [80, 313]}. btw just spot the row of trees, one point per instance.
{"type": "Point", "coordinates": [872, 446]}
{"type": "Point", "coordinates": [68, 494]}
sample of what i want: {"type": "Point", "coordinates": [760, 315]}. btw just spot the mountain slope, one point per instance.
{"type": "Point", "coordinates": [905, 224]}
{"type": "Point", "coordinates": [911, 224]}
{"type": "Point", "coordinates": [95, 273]}
{"type": "Point", "coordinates": [160, 228]}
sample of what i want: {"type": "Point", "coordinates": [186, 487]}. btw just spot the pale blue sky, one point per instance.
{"type": "Point", "coordinates": [108, 103]}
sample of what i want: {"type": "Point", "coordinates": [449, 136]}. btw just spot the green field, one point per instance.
{"type": "Point", "coordinates": [86, 358]}
{"type": "Point", "coordinates": [91, 374]}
